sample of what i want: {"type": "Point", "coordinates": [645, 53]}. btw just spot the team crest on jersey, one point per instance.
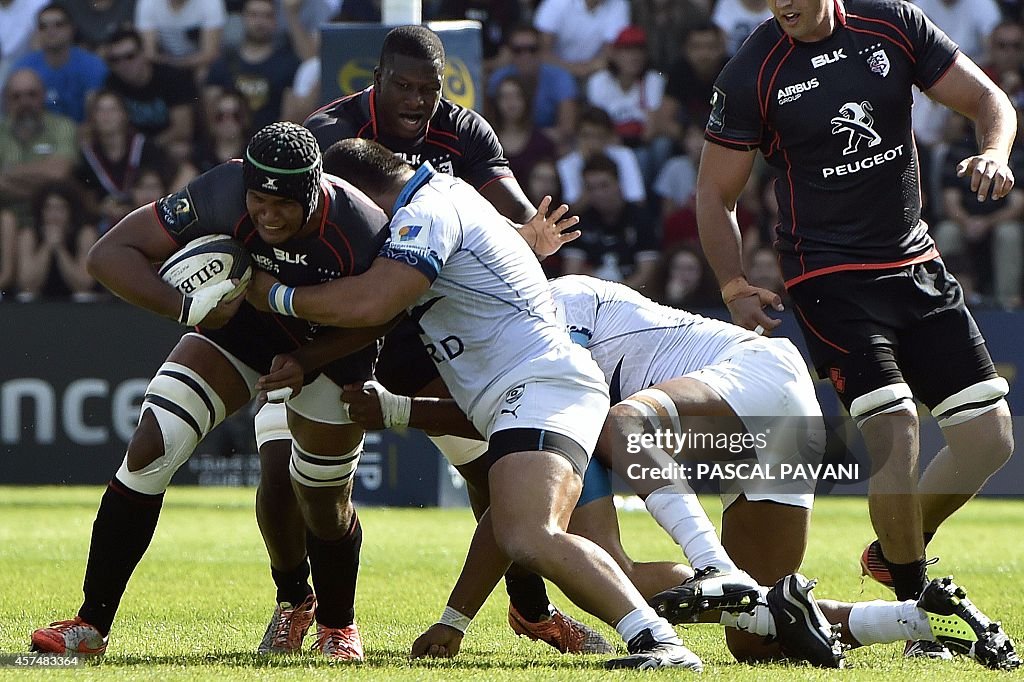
{"type": "Point", "coordinates": [855, 120]}
{"type": "Point", "coordinates": [514, 394]}
{"type": "Point", "coordinates": [879, 63]}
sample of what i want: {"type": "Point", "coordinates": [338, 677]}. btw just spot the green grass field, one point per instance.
{"type": "Point", "coordinates": [200, 600]}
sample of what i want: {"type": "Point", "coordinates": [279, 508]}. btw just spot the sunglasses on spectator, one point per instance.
{"type": "Point", "coordinates": [15, 95]}
{"type": "Point", "coordinates": [225, 114]}
{"type": "Point", "coordinates": [524, 49]}
{"type": "Point", "coordinates": [125, 57]}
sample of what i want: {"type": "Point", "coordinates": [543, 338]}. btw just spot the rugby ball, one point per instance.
{"type": "Point", "coordinates": [207, 261]}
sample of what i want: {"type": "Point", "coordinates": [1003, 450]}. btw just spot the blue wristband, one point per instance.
{"type": "Point", "coordinates": [280, 299]}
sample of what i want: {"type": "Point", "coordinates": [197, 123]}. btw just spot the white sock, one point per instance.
{"type": "Point", "coordinates": [759, 622]}
{"type": "Point", "coordinates": [638, 620]}
{"type": "Point", "coordinates": [677, 510]}
{"type": "Point", "coordinates": [879, 622]}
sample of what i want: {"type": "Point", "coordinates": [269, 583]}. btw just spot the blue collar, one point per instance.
{"type": "Point", "coordinates": [420, 177]}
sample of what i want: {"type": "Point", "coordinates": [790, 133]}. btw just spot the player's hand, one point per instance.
{"type": "Point", "coordinates": [285, 375]}
{"type": "Point", "coordinates": [211, 307]}
{"type": "Point", "coordinates": [746, 304]}
{"type": "Point", "coordinates": [364, 406]}
{"type": "Point", "coordinates": [259, 290]}
{"type": "Point", "coordinates": [990, 175]}
{"type": "Point", "coordinates": [439, 641]}
{"type": "Point", "coordinates": [547, 232]}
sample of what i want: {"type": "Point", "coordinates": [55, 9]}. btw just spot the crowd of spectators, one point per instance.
{"type": "Point", "coordinates": [109, 104]}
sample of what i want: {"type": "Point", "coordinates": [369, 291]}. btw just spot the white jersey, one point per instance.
{"type": "Point", "coordinates": [488, 310]}
{"type": "Point", "coordinates": [635, 341]}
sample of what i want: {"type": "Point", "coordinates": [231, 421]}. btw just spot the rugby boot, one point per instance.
{"type": "Point", "coordinates": [801, 628]}
{"type": "Point", "coordinates": [69, 637]}
{"type": "Point", "coordinates": [924, 648]}
{"type": "Point", "coordinates": [646, 653]}
{"type": "Point", "coordinates": [566, 634]}
{"type": "Point", "coordinates": [288, 627]}
{"type": "Point", "coordinates": [873, 565]}
{"type": "Point", "coordinates": [339, 644]}
{"type": "Point", "coordinates": [708, 589]}
{"type": "Point", "coordinates": [963, 628]}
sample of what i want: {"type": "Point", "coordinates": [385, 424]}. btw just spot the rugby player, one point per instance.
{"type": "Point", "coordinates": [485, 312]}
{"type": "Point", "coordinates": [304, 227]}
{"type": "Point", "coordinates": [404, 111]}
{"type": "Point", "coordinates": [824, 91]}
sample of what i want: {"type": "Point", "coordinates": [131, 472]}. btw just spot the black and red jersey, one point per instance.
{"type": "Point", "coordinates": [832, 118]}
{"type": "Point", "coordinates": [351, 231]}
{"type": "Point", "coordinates": [457, 140]}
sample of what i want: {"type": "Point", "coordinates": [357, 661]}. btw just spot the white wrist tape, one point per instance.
{"type": "Point", "coordinates": [196, 307]}
{"type": "Point", "coordinates": [394, 409]}
{"type": "Point", "coordinates": [454, 619]}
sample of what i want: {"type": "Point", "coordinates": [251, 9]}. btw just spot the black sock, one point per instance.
{"type": "Point", "coordinates": [335, 565]}
{"type": "Point", "coordinates": [928, 535]}
{"type": "Point", "coordinates": [121, 534]}
{"type": "Point", "coordinates": [293, 584]}
{"type": "Point", "coordinates": [908, 579]}
{"type": "Point", "coordinates": [527, 593]}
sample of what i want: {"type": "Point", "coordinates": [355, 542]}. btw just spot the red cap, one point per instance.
{"type": "Point", "coordinates": [631, 36]}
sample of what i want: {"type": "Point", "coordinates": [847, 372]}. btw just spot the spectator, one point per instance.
{"type": "Point", "coordinates": [967, 22]}
{"type": "Point", "coordinates": [17, 23]}
{"type": "Point", "coordinates": [597, 136]}
{"type": "Point", "coordinates": [497, 20]}
{"type": "Point", "coordinates": [630, 92]}
{"type": "Point", "coordinates": [262, 68]}
{"type": "Point", "coordinates": [1005, 64]}
{"type": "Point", "coordinates": [229, 131]}
{"type": "Point", "coordinates": [664, 21]}
{"type": "Point", "coordinates": [577, 32]}
{"type": "Point", "coordinates": [523, 143]}
{"type": "Point", "coordinates": [543, 181]}
{"type": "Point", "coordinates": [37, 147]}
{"type": "Point", "coordinates": [553, 89]}
{"type": "Point", "coordinates": [69, 73]}
{"type": "Point", "coordinates": [182, 33]}
{"type": "Point", "coordinates": [682, 280]}
{"type": "Point", "coordinates": [677, 180]}
{"type": "Point", "coordinates": [299, 22]}
{"type": "Point", "coordinates": [763, 270]}
{"type": "Point", "coordinates": [990, 233]}
{"type": "Point", "coordinates": [160, 98]}
{"type": "Point", "coordinates": [112, 153]}
{"type": "Point", "coordinates": [691, 81]}
{"type": "Point", "coordinates": [150, 184]}
{"type": "Point", "coordinates": [738, 19]}
{"type": "Point", "coordinates": [96, 20]}
{"type": "Point", "coordinates": [618, 241]}
{"type": "Point", "coordinates": [52, 251]}
{"type": "Point", "coordinates": [8, 246]}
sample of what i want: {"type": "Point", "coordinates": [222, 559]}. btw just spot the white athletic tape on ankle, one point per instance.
{"type": "Point", "coordinates": [455, 619]}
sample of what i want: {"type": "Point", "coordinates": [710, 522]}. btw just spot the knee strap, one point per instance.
{"type": "Point", "coordinates": [323, 471]}
{"type": "Point", "coordinates": [971, 402]}
{"type": "Point", "coordinates": [271, 423]}
{"type": "Point", "coordinates": [884, 400]}
{"type": "Point", "coordinates": [186, 408]}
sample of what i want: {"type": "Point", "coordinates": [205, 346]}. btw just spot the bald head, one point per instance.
{"type": "Point", "coordinates": [24, 94]}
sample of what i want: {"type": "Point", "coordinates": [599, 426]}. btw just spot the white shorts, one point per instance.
{"type": "Point", "coordinates": [765, 381]}
{"type": "Point", "coordinates": [563, 392]}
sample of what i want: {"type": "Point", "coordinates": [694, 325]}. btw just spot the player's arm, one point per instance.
{"type": "Point", "coordinates": [374, 408]}
{"type": "Point", "coordinates": [508, 197]}
{"type": "Point", "coordinates": [966, 89]}
{"type": "Point", "coordinates": [371, 299]}
{"type": "Point", "coordinates": [722, 175]}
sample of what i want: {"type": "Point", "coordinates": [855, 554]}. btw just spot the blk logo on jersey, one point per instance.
{"type": "Point", "coordinates": [828, 58]}
{"type": "Point", "coordinates": [293, 258]}
{"type": "Point", "coordinates": [878, 62]}
{"type": "Point", "coordinates": [716, 123]}
{"type": "Point", "coordinates": [855, 120]}
{"type": "Point", "coordinates": [271, 183]}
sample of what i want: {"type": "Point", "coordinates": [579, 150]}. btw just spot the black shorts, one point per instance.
{"type": "Point", "coordinates": [866, 329]}
{"type": "Point", "coordinates": [255, 338]}
{"type": "Point", "coordinates": [404, 366]}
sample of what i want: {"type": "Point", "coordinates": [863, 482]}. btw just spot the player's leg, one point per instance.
{"type": "Point", "coordinates": [325, 453]}
{"type": "Point", "coordinates": [196, 388]}
{"type": "Point", "coordinates": [284, 534]}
